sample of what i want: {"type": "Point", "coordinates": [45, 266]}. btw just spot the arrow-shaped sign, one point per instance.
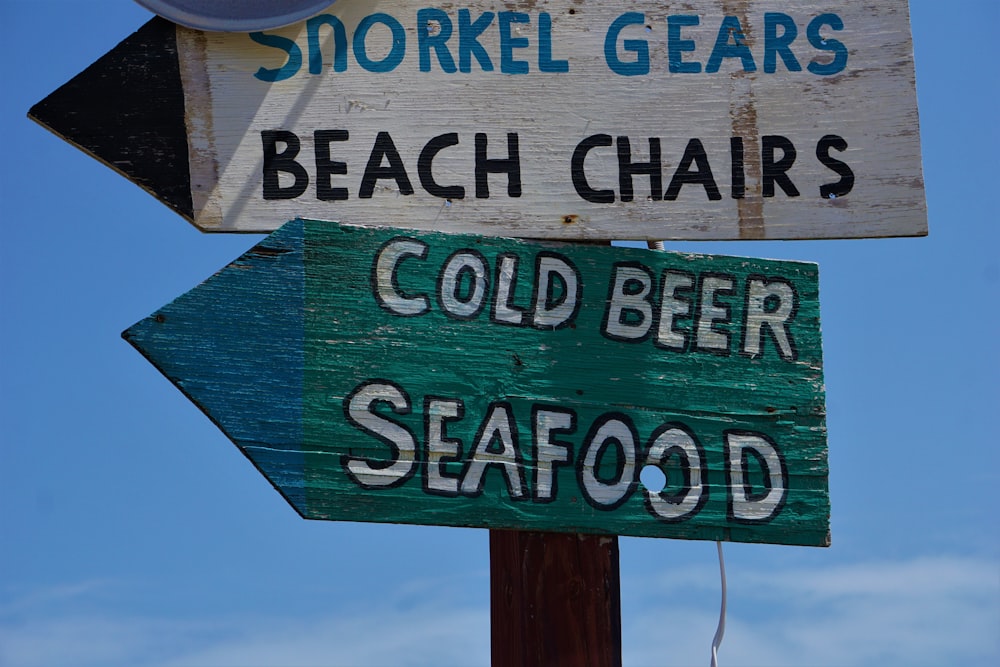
{"type": "Point", "coordinates": [399, 376]}
{"type": "Point", "coordinates": [726, 120]}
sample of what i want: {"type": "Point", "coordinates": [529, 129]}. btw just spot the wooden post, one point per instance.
{"type": "Point", "coordinates": [555, 600]}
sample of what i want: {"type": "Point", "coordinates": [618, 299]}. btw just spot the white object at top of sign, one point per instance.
{"type": "Point", "coordinates": [235, 15]}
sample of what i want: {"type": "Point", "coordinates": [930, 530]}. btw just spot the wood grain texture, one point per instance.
{"type": "Point", "coordinates": [127, 111]}
{"type": "Point", "coordinates": [357, 411]}
{"type": "Point", "coordinates": [371, 116]}
{"type": "Point", "coordinates": [555, 600]}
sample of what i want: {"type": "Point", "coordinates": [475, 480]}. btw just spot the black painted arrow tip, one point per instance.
{"type": "Point", "coordinates": [127, 110]}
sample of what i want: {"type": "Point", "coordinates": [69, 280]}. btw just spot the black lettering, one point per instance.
{"type": "Point", "coordinates": [626, 168]}
{"type": "Point", "coordinates": [424, 170]}
{"type": "Point", "coordinates": [275, 162]}
{"type": "Point", "coordinates": [739, 176]}
{"type": "Point", "coordinates": [583, 188]}
{"type": "Point", "coordinates": [511, 165]}
{"type": "Point", "coordinates": [325, 167]}
{"type": "Point", "coordinates": [846, 182]}
{"type": "Point", "coordinates": [775, 172]}
{"type": "Point", "coordinates": [694, 153]}
{"type": "Point", "coordinates": [374, 171]}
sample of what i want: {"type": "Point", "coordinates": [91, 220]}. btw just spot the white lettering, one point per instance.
{"type": "Point", "coordinates": [553, 311]}
{"type": "Point", "coordinates": [467, 263]}
{"type": "Point", "coordinates": [440, 447]}
{"type": "Point", "coordinates": [746, 505]}
{"type": "Point", "coordinates": [710, 312]}
{"type": "Point", "coordinates": [611, 433]}
{"type": "Point", "coordinates": [380, 472]}
{"type": "Point", "coordinates": [770, 303]}
{"type": "Point", "coordinates": [387, 291]}
{"type": "Point", "coordinates": [548, 452]}
{"type": "Point", "coordinates": [675, 443]}
{"type": "Point", "coordinates": [672, 306]}
{"type": "Point", "coordinates": [630, 309]}
{"type": "Point", "coordinates": [498, 427]}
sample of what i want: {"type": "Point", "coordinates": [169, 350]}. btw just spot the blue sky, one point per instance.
{"type": "Point", "coordinates": [133, 533]}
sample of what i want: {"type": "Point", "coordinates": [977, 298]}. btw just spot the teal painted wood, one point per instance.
{"type": "Point", "coordinates": [233, 345]}
{"type": "Point", "coordinates": [400, 376]}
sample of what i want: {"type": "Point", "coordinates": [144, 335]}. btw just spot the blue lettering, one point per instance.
{"type": "Point", "coordinates": [839, 61]}
{"type": "Point", "coordinates": [426, 19]}
{"type": "Point", "coordinates": [329, 42]}
{"type": "Point", "coordinates": [779, 45]}
{"type": "Point", "coordinates": [468, 41]}
{"type": "Point", "coordinates": [545, 62]}
{"type": "Point", "coordinates": [292, 51]}
{"type": "Point", "coordinates": [508, 43]}
{"type": "Point", "coordinates": [677, 46]}
{"type": "Point", "coordinates": [395, 55]}
{"type": "Point", "coordinates": [730, 28]}
{"type": "Point", "coordinates": [639, 47]}
{"type": "Point", "coordinates": [316, 50]}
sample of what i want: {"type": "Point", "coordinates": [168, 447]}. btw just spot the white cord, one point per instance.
{"type": "Point", "coordinates": [721, 630]}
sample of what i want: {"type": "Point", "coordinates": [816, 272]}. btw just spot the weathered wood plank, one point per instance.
{"type": "Point", "coordinates": [555, 599]}
{"type": "Point", "coordinates": [400, 376]}
{"type": "Point", "coordinates": [127, 110]}
{"type": "Point", "coordinates": [723, 119]}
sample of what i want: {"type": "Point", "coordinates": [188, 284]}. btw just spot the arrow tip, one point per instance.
{"type": "Point", "coordinates": [127, 110]}
{"type": "Point", "coordinates": [234, 345]}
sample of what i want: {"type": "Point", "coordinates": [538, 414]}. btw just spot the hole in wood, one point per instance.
{"type": "Point", "coordinates": [653, 478]}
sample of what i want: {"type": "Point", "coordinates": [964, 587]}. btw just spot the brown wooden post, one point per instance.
{"type": "Point", "coordinates": [555, 600]}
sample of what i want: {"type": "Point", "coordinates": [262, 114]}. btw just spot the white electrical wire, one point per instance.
{"type": "Point", "coordinates": [721, 630]}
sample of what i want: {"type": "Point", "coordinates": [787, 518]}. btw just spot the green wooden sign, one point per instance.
{"type": "Point", "coordinates": [400, 376]}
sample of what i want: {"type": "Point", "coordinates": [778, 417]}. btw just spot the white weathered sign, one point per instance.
{"type": "Point", "coordinates": [715, 119]}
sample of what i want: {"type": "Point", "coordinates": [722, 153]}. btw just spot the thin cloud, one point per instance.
{"type": "Point", "coordinates": [418, 635]}
{"type": "Point", "coordinates": [21, 601]}
{"type": "Point", "coordinates": [429, 636]}
{"type": "Point", "coordinates": [914, 612]}
{"type": "Point", "coordinates": [923, 611]}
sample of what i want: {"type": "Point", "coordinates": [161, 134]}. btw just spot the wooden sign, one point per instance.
{"type": "Point", "coordinates": [379, 374]}
{"type": "Point", "coordinates": [718, 119]}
